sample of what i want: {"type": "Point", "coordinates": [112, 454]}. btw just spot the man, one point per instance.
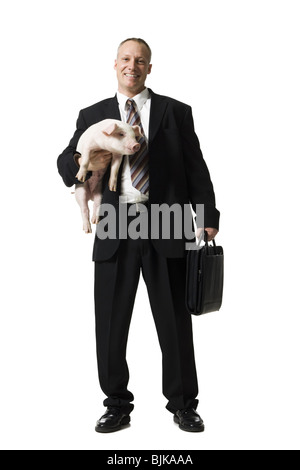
{"type": "Point", "coordinates": [172, 171]}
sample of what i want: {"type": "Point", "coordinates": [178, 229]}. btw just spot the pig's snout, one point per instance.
{"type": "Point", "coordinates": [134, 147]}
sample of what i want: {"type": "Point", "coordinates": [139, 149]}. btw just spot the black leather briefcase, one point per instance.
{"type": "Point", "coordinates": [205, 278]}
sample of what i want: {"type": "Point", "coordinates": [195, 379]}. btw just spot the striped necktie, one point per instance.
{"type": "Point", "coordinates": [139, 162]}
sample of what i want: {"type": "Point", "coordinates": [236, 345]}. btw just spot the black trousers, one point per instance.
{"type": "Point", "coordinates": [116, 282]}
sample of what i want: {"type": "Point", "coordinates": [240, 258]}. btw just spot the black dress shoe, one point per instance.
{"type": "Point", "coordinates": [189, 420]}
{"type": "Point", "coordinates": [113, 420]}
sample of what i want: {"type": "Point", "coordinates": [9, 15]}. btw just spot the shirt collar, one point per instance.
{"type": "Point", "coordinates": [139, 99]}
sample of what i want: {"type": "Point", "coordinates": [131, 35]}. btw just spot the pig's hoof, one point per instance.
{"type": "Point", "coordinates": [95, 220]}
{"type": "Point", "coordinates": [112, 184]}
{"type": "Point", "coordinates": [81, 176]}
{"type": "Point", "coordinates": [87, 228]}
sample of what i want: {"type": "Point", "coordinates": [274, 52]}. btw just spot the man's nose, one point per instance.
{"type": "Point", "coordinates": [131, 64]}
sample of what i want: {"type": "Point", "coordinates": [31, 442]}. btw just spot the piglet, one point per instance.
{"type": "Point", "coordinates": [111, 137]}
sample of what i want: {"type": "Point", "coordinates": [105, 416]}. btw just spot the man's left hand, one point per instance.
{"type": "Point", "coordinates": [211, 232]}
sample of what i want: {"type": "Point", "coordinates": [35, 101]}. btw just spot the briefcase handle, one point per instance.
{"type": "Point", "coordinates": [206, 241]}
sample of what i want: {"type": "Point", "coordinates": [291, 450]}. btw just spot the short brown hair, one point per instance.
{"type": "Point", "coordinates": [140, 41]}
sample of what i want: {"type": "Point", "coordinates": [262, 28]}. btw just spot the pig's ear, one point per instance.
{"type": "Point", "coordinates": [137, 131]}
{"type": "Point", "coordinates": [110, 129]}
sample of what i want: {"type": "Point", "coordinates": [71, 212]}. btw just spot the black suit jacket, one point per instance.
{"type": "Point", "coordinates": [178, 173]}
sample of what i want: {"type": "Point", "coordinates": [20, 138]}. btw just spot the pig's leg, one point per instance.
{"type": "Point", "coordinates": [81, 175]}
{"type": "Point", "coordinates": [82, 195]}
{"type": "Point", "coordinates": [115, 165]}
{"type": "Point", "coordinates": [97, 197]}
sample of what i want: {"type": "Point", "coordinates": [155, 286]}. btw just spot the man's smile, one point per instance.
{"type": "Point", "coordinates": [130, 75]}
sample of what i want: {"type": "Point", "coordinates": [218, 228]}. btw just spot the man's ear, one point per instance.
{"type": "Point", "coordinates": [110, 129]}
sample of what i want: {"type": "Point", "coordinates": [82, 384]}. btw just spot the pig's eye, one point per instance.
{"type": "Point", "coordinates": [121, 134]}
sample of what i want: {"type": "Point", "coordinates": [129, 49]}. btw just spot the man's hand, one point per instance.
{"type": "Point", "coordinates": [211, 232]}
{"type": "Point", "coordinates": [98, 160]}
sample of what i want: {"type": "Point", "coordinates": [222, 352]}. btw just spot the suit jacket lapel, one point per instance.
{"type": "Point", "coordinates": [113, 110]}
{"type": "Point", "coordinates": [158, 108]}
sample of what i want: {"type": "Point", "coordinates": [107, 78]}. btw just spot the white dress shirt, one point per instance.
{"type": "Point", "coordinates": [129, 194]}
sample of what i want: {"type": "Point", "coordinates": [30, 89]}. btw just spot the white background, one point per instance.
{"type": "Point", "coordinates": [237, 63]}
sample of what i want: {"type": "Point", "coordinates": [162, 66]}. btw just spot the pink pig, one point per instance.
{"type": "Point", "coordinates": [113, 137]}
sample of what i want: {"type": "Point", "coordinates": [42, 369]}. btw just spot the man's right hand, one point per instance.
{"type": "Point", "coordinates": [97, 160]}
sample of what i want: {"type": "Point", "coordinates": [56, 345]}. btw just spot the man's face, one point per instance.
{"type": "Point", "coordinates": [132, 66]}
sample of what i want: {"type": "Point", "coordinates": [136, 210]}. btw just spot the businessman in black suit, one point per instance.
{"type": "Point", "coordinates": [171, 170]}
